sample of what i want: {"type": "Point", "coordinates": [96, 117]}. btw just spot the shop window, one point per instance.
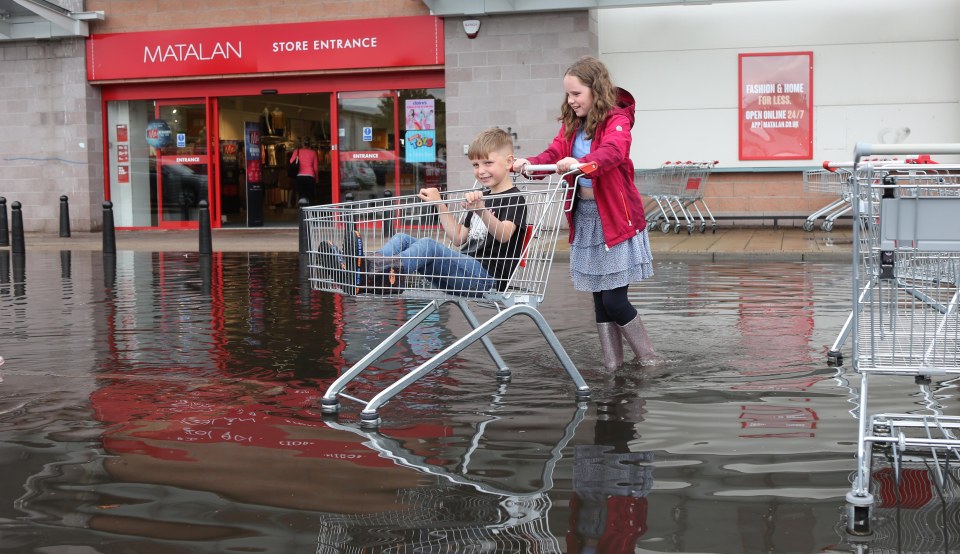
{"type": "Point", "coordinates": [391, 142]}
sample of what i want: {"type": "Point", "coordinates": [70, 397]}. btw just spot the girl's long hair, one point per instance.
{"type": "Point", "coordinates": [594, 75]}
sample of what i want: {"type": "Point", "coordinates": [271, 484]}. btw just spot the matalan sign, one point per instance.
{"type": "Point", "coordinates": [252, 49]}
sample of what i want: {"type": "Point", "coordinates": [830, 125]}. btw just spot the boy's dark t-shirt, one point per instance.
{"type": "Point", "coordinates": [500, 258]}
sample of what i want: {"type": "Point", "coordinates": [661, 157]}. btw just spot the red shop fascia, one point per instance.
{"type": "Point", "coordinates": [204, 64]}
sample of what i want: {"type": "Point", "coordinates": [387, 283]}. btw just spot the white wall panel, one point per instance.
{"type": "Point", "coordinates": [879, 66]}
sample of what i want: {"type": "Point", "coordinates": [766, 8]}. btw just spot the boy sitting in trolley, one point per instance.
{"type": "Point", "coordinates": [490, 238]}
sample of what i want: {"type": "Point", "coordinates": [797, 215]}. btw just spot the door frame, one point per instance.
{"type": "Point", "coordinates": [209, 160]}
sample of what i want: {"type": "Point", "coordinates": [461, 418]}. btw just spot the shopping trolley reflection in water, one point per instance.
{"type": "Point", "coordinates": [341, 237]}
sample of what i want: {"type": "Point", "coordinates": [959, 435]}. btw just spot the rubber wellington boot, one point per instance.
{"type": "Point", "coordinates": [636, 336]}
{"type": "Point", "coordinates": [611, 345]}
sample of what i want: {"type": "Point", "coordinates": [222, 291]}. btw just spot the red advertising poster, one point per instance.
{"type": "Point", "coordinates": [123, 153]}
{"type": "Point", "coordinates": [122, 135]}
{"type": "Point", "coordinates": [123, 174]}
{"type": "Point", "coordinates": [776, 106]}
{"type": "Point", "coordinates": [252, 49]}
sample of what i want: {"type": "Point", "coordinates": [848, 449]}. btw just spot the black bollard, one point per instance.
{"type": "Point", "coordinates": [4, 231]}
{"type": "Point", "coordinates": [17, 219]}
{"type": "Point", "coordinates": [388, 215]}
{"type": "Point", "coordinates": [206, 241]}
{"type": "Point", "coordinates": [109, 233]}
{"type": "Point", "coordinates": [302, 211]}
{"type": "Point", "coordinates": [64, 217]}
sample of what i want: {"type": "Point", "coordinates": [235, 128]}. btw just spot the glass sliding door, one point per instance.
{"type": "Point", "coordinates": [158, 164]}
{"type": "Point", "coordinates": [180, 166]}
{"type": "Point", "coordinates": [367, 144]}
{"type": "Point", "coordinates": [391, 141]}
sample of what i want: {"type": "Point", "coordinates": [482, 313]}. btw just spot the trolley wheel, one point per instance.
{"type": "Point", "coordinates": [369, 420]}
{"type": "Point", "coordinates": [330, 406]}
{"type": "Point", "coordinates": [690, 229]}
{"type": "Point", "coordinates": [835, 358]}
{"type": "Point", "coordinates": [808, 225]}
{"type": "Point", "coordinates": [676, 229]}
{"type": "Point", "coordinates": [827, 226]}
{"type": "Point", "coordinates": [714, 231]}
{"type": "Point", "coordinates": [703, 228]}
{"type": "Point", "coordinates": [665, 227]}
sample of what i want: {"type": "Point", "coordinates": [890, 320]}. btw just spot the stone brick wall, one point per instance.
{"type": "Point", "coordinates": [48, 146]}
{"type": "Point", "coordinates": [510, 76]}
{"type": "Point", "coordinates": [762, 196]}
{"type": "Point", "coordinates": [125, 16]}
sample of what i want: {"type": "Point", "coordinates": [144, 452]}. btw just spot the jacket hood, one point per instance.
{"type": "Point", "coordinates": [626, 104]}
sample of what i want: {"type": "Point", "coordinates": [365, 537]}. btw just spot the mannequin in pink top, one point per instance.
{"type": "Point", "coordinates": [309, 167]}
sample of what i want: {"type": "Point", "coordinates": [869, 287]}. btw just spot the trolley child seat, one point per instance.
{"type": "Point", "coordinates": [344, 243]}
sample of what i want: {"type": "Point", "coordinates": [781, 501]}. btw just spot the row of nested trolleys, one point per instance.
{"type": "Point", "coordinates": [836, 179]}
{"type": "Point", "coordinates": [905, 321]}
{"type": "Point", "coordinates": [675, 192]}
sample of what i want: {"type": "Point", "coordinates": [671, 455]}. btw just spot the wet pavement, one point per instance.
{"type": "Point", "coordinates": [169, 402]}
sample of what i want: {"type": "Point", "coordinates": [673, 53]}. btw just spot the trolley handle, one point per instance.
{"type": "Point", "coordinates": [834, 167]}
{"type": "Point", "coordinates": [584, 168]}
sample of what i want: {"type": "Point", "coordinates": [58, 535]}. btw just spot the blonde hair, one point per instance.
{"type": "Point", "coordinates": [594, 75]}
{"type": "Point", "coordinates": [490, 140]}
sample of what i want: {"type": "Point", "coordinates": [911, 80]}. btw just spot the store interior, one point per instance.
{"type": "Point", "coordinates": [286, 122]}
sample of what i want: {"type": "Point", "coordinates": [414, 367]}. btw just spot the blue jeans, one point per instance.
{"type": "Point", "coordinates": [445, 268]}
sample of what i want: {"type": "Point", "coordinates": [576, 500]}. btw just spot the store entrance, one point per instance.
{"type": "Point", "coordinates": [258, 135]}
{"type": "Point", "coordinates": [179, 168]}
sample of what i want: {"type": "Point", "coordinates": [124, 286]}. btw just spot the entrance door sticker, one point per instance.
{"type": "Point", "coordinates": [776, 106]}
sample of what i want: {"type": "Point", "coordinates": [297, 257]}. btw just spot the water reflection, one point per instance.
{"type": "Point", "coordinates": [608, 504]}
{"type": "Point", "coordinates": [169, 402]}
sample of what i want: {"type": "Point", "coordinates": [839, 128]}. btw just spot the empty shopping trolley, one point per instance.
{"type": "Point", "coordinates": [829, 180]}
{"type": "Point", "coordinates": [676, 200]}
{"type": "Point", "coordinates": [906, 311]}
{"type": "Point", "coordinates": [352, 251]}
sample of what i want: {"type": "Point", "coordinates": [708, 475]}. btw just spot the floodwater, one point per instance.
{"type": "Point", "coordinates": [169, 403]}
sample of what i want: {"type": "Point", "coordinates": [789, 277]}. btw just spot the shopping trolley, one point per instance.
{"type": "Point", "coordinates": [905, 316]}
{"type": "Point", "coordinates": [870, 174]}
{"type": "Point", "coordinates": [345, 243]}
{"type": "Point", "coordinates": [675, 190]}
{"type": "Point", "coordinates": [829, 180]}
{"type": "Point", "coordinates": [835, 178]}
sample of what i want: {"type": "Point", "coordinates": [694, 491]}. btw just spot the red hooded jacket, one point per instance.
{"type": "Point", "coordinates": [618, 200]}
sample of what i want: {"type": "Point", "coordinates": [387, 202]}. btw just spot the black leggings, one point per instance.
{"type": "Point", "coordinates": [613, 305]}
